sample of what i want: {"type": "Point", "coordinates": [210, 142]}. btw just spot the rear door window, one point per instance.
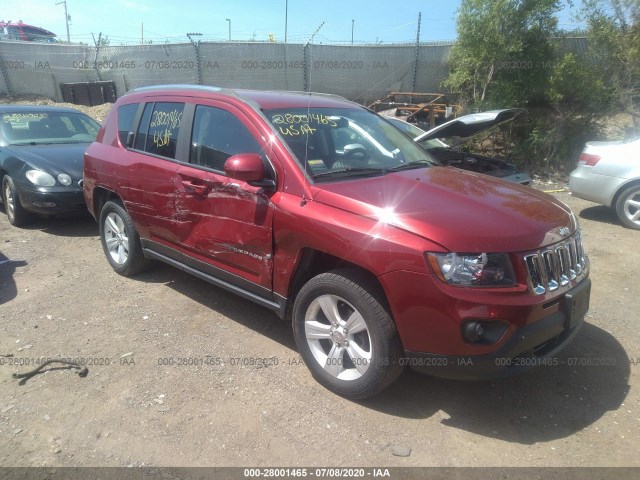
{"type": "Point", "coordinates": [164, 126]}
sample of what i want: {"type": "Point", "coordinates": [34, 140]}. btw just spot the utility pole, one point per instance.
{"type": "Point", "coordinates": [286, 15]}
{"type": "Point", "coordinates": [66, 17]}
{"type": "Point", "coordinates": [229, 20]}
{"type": "Point", "coordinates": [352, 23]}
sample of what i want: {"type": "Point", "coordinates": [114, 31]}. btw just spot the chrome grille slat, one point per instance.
{"type": "Point", "coordinates": [553, 267]}
{"type": "Point", "coordinates": [565, 270]}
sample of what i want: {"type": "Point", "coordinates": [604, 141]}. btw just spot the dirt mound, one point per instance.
{"type": "Point", "coordinates": [99, 112]}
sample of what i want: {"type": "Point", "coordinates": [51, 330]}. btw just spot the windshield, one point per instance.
{"type": "Point", "coordinates": [39, 128]}
{"type": "Point", "coordinates": [341, 142]}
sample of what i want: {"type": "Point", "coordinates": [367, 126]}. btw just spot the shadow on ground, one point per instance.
{"type": "Point", "coordinates": [590, 377]}
{"type": "Point", "coordinates": [550, 402]}
{"type": "Point", "coordinates": [80, 225]}
{"type": "Point", "coordinates": [242, 311]}
{"type": "Point", "coordinates": [601, 214]}
{"type": "Point", "coordinates": [8, 289]}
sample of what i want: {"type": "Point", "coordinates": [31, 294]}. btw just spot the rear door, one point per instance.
{"type": "Point", "coordinates": [148, 189]}
{"type": "Point", "coordinates": [225, 225]}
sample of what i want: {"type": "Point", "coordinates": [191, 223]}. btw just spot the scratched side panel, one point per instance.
{"type": "Point", "coordinates": [229, 227]}
{"type": "Point", "coordinates": [147, 189]}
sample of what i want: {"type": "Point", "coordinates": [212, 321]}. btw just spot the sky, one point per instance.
{"type": "Point", "coordinates": [130, 21]}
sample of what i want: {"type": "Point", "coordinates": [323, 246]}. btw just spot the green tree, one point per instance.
{"type": "Point", "coordinates": [510, 53]}
{"type": "Point", "coordinates": [503, 51]}
{"type": "Point", "coordinates": [613, 29]}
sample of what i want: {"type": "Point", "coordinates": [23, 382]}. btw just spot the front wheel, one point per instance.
{"type": "Point", "coordinates": [120, 241]}
{"type": "Point", "coordinates": [628, 207]}
{"type": "Point", "coordinates": [16, 213]}
{"type": "Point", "coordinates": [345, 335]}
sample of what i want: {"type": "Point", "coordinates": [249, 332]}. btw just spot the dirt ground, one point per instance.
{"type": "Point", "coordinates": [184, 374]}
{"type": "Point", "coordinates": [144, 402]}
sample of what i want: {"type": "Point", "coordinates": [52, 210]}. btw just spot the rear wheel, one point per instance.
{"type": "Point", "coordinates": [16, 213]}
{"type": "Point", "coordinates": [120, 241]}
{"type": "Point", "coordinates": [345, 335]}
{"type": "Point", "coordinates": [628, 207]}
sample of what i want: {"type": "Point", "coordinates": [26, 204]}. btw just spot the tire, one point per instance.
{"type": "Point", "coordinates": [16, 213]}
{"type": "Point", "coordinates": [120, 241]}
{"type": "Point", "coordinates": [628, 207]}
{"type": "Point", "coordinates": [345, 335]}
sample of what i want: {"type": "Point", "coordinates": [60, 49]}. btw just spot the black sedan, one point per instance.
{"type": "Point", "coordinates": [41, 155]}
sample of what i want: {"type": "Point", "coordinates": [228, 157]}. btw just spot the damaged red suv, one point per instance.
{"type": "Point", "coordinates": [325, 213]}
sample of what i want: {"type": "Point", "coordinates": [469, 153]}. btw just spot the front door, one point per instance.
{"type": "Point", "coordinates": [224, 223]}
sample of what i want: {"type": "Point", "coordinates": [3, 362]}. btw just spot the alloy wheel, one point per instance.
{"type": "Point", "coordinates": [338, 337]}
{"type": "Point", "coordinates": [9, 203]}
{"type": "Point", "coordinates": [116, 238]}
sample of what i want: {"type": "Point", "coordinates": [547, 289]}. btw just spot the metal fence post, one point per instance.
{"type": "Point", "coordinates": [305, 61]}
{"type": "Point", "coordinates": [95, 61]}
{"type": "Point", "coordinates": [5, 77]}
{"type": "Point", "coordinates": [196, 46]}
{"type": "Point", "coordinates": [415, 65]}
{"type": "Point", "coordinates": [198, 66]}
{"type": "Point", "coordinates": [3, 74]}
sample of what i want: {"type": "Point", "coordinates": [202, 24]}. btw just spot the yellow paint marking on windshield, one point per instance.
{"type": "Point", "coordinates": [305, 119]}
{"type": "Point", "coordinates": [297, 130]}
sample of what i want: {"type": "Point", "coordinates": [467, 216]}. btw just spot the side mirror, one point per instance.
{"type": "Point", "coordinates": [246, 167]}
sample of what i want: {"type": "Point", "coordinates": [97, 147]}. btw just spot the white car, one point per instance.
{"type": "Point", "coordinates": [608, 173]}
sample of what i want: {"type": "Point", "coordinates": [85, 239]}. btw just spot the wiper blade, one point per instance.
{"type": "Point", "coordinates": [33, 143]}
{"type": "Point", "coordinates": [411, 165]}
{"type": "Point", "coordinates": [348, 171]}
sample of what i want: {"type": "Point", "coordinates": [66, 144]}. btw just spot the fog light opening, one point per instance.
{"type": "Point", "coordinates": [480, 332]}
{"type": "Point", "coordinates": [473, 332]}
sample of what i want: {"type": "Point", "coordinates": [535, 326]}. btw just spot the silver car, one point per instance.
{"type": "Point", "coordinates": [608, 173]}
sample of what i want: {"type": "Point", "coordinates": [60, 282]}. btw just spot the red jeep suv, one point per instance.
{"type": "Point", "coordinates": [325, 213]}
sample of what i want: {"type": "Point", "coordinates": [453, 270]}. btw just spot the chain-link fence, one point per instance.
{"type": "Point", "coordinates": [360, 73]}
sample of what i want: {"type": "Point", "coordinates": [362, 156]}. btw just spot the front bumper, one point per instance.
{"type": "Point", "coordinates": [52, 202]}
{"type": "Point", "coordinates": [531, 346]}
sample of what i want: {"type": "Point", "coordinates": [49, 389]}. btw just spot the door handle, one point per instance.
{"type": "Point", "coordinates": [195, 188]}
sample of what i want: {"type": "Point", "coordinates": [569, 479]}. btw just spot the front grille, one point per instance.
{"type": "Point", "coordinates": [555, 266]}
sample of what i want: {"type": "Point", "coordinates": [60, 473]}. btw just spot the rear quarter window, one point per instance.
{"type": "Point", "coordinates": [126, 117]}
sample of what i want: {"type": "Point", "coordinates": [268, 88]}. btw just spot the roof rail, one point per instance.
{"type": "Point", "coordinates": [185, 86]}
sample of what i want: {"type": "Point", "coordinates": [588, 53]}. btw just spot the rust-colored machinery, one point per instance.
{"type": "Point", "coordinates": [425, 108]}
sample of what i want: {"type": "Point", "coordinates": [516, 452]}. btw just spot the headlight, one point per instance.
{"type": "Point", "coordinates": [473, 269]}
{"type": "Point", "coordinates": [64, 179]}
{"type": "Point", "coordinates": [40, 178]}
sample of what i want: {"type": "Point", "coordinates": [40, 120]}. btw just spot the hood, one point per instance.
{"type": "Point", "coordinates": [462, 211]}
{"type": "Point", "coordinates": [469, 126]}
{"type": "Point", "coordinates": [55, 159]}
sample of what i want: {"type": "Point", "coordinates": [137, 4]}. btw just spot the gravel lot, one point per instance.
{"type": "Point", "coordinates": [174, 381]}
